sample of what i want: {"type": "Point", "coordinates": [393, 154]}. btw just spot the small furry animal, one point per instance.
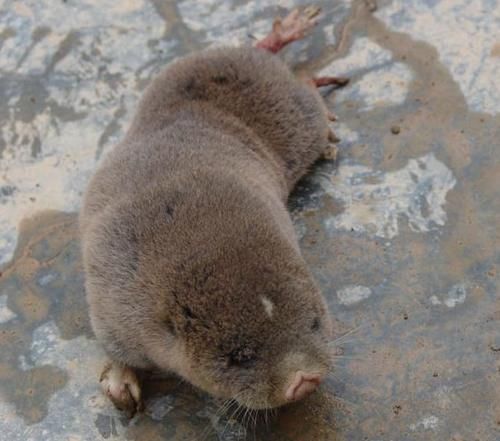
{"type": "Point", "coordinates": [192, 265]}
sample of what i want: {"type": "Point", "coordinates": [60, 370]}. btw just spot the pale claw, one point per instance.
{"type": "Point", "coordinates": [332, 137]}
{"type": "Point", "coordinates": [332, 117]}
{"type": "Point", "coordinates": [330, 153]}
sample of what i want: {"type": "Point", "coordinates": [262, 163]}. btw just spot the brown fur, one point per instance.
{"type": "Point", "coordinates": [185, 229]}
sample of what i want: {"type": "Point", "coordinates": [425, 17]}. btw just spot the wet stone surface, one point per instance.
{"type": "Point", "coordinates": [401, 233]}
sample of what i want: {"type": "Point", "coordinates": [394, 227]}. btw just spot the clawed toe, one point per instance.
{"type": "Point", "coordinates": [296, 24]}
{"type": "Point", "coordinates": [330, 153]}
{"type": "Point", "coordinates": [332, 137]}
{"type": "Point", "coordinates": [311, 11]}
{"type": "Point", "coordinates": [331, 116]}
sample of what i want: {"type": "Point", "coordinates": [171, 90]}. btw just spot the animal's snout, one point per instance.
{"type": "Point", "coordinates": [303, 384]}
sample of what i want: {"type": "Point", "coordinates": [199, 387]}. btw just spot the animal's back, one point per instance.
{"type": "Point", "coordinates": [213, 108]}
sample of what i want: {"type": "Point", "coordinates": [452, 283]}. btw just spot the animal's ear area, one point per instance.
{"type": "Point", "coordinates": [169, 324]}
{"type": "Point", "coordinates": [191, 320]}
{"type": "Point", "coordinates": [220, 79]}
{"type": "Point", "coordinates": [191, 89]}
{"type": "Point", "coordinates": [169, 210]}
{"type": "Point", "coordinates": [316, 324]}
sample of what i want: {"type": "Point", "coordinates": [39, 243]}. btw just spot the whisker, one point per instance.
{"type": "Point", "coordinates": [343, 336]}
{"type": "Point", "coordinates": [347, 341]}
{"type": "Point", "coordinates": [246, 415]}
{"type": "Point", "coordinates": [247, 411]}
{"type": "Point", "coordinates": [255, 425]}
{"type": "Point", "coordinates": [226, 425]}
{"type": "Point", "coordinates": [206, 430]}
{"type": "Point", "coordinates": [225, 407]}
{"type": "Point", "coordinates": [227, 404]}
{"type": "Point", "coordinates": [234, 415]}
{"type": "Point", "coordinates": [210, 424]}
{"type": "Point", "coordinates": [335, 377]}
{"type": "Point", "coordinates": [348, 357]}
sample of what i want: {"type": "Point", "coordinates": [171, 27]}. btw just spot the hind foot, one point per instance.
{"type": "Point", "coordinates": [291, 28]}
{"type": "Point", "coordinates": [121, 386]}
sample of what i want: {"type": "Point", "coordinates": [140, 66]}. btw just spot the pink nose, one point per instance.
{"type": "Point", "coordinates": [302, 385]}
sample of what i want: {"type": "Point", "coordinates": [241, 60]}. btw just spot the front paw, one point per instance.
{"type": "Point", "coordinates": [121, 385]}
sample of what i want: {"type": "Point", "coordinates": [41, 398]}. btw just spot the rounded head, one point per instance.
{"type": "Point", "coordinates": [220, 296]}
{"type": "Point", "coordinates": [258, 335]}
{"type": "Point", "coordinates": [227, 301]}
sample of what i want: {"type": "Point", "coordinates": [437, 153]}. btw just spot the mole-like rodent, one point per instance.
{"type": "Point", "coordinates": [191, 262]}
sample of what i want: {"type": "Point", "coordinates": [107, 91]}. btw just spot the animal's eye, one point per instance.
{"type": "Point", "coordinates": [188, 313]}
{"type": "Point", "coordinates": [316, 324]}
{"type": "Point", "coordinates": [241, 357]}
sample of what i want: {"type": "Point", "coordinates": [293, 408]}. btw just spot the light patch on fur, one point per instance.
{"type": "Point", "coordinates": [428, 423]}
{"type": "Point", "coordinates": [464, 42]}
{"type": "Point", "coordinates": [268, 305]}
{"type": "Point", "coordinates": [350, 295]}
{"type": "Point", "coordinates": [456, 295]}
{"type": "Point", "coordinates": [374, 202]}
{"type": "Point", "coordinates": [5, 313]}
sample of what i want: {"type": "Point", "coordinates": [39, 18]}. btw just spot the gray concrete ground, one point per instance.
{"type": "Point", "coordinates": [402, 233]}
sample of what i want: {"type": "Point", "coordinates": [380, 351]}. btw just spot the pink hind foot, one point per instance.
{"type": "Point", "coordinates": [330, 81]}
{"type": "Point", "coordinates": [291, 28]}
